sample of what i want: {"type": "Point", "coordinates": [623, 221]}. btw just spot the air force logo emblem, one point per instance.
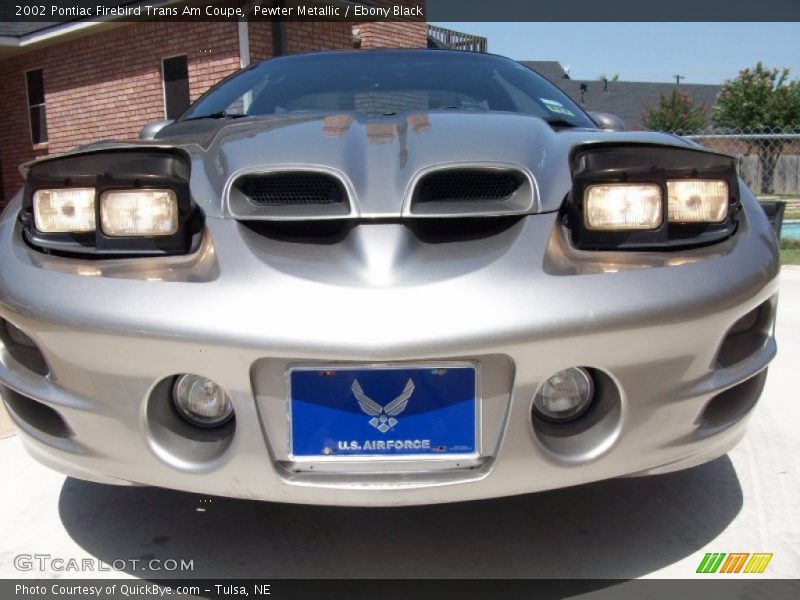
{"type": "Point", "coordinates": [383, 417]}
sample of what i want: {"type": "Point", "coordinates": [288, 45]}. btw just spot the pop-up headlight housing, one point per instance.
{"type": "Point", "coordinates": [650, 197]}
{"type": "Point", "coordinates": [117, 202]}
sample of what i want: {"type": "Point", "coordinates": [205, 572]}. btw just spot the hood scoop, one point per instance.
{"type": "Point", "coordinates": [471, 191]}
{"type": "Point", "coordinates": [290, 195]}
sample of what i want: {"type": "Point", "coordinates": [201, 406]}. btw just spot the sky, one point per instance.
{"type": "Point", "coordinates": [700, 52]}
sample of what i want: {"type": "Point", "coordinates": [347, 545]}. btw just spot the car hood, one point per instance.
{"type": "Point", "coordinates": [379, 156]}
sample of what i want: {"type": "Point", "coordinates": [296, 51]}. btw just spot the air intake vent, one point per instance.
{"type": "Point", "coordinates": [292, 189]}
{"type": "Point", "coordinates": [472, 191]}
{"type": "Point", "coordinates": [289, 195]}
{"type": "Point", "coordinates": [467, 185]}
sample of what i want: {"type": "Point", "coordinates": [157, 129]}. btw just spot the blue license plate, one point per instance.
{"type": "Point", "coordinates": [385, 411]}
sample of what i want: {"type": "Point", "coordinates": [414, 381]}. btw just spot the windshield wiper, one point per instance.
{"type": "Point", "coordinates": [223, 114]}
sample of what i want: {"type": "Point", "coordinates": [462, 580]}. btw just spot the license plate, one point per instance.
{"type": "Point", "coordinates": [383, 411]}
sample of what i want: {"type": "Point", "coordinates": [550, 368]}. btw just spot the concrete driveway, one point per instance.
{"type": "Point", "coordinates": [660, 526]}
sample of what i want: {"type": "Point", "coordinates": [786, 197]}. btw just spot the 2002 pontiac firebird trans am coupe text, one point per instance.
{"type": "Point", "coordinates": [383, 278]}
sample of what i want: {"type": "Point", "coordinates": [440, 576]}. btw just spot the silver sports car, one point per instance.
{"type": "Point", "coordinates": [384, 278]}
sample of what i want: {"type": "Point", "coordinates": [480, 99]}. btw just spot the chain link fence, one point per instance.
{"type": "Point", "coordinates": [768, 160]}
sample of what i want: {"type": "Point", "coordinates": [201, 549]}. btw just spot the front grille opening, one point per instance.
{"type": "Point", "coordinates": [321, 231]}
{"type": "Point", "coordinates": [22, 349]}
{"type": "Point", "coordinates": [747, 335]}
{"type": "Point", "coordinates": [468, 185]}
{"type": "Point", "coordinates": [34, 414]}
{"type": "Point", "coordinates": [460, 229]}
{"type": "Point", "coordinates": [730, 406]}
{"type": "Point", "coordinates": [293, 189]}
{"type": "Point", "coordinates": [433, 230]}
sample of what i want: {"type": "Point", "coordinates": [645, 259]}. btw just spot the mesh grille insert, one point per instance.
{"type": "Point", "coordinates": [293, 189]}
{"type": "Point", "coordinates": [467, 185]}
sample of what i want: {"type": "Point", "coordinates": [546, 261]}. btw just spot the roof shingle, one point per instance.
{"type": "Point", "coordinates": [626, 99]}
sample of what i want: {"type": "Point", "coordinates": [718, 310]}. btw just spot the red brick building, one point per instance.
{"type": "Point", "coordinates": [77, 82]}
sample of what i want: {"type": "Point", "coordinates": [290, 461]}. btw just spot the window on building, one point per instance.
{"type": "Point", "coordinates": [175, 72]}
{"type": "Point", "coordinates": [34, 81]}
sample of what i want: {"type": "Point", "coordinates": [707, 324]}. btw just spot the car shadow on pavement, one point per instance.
{"type": "Point", "coordinates": [620, 528]}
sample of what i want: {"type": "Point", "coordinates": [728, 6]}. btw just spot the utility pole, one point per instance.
{"type": "Point", "coordinates": [678, 79]}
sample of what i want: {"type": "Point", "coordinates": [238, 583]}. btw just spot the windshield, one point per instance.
{"type": "Point", "coordinates": [388, 82]}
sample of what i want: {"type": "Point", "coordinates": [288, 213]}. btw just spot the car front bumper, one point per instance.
{"type": "Point", "coordinates": [520, 303]}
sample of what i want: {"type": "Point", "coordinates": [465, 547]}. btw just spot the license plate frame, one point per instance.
{"type": "Point", "coordinates": [468, 438]}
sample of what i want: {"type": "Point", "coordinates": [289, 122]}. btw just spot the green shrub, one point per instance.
{"type": "Point", "coordinates": [789, 244]}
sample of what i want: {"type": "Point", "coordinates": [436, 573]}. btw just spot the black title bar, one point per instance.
{"type": "Point", "coordinates": [61, 11]}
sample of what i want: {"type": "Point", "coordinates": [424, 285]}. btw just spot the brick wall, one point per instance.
{"type": "Point", "coordinates": [301, 36]}
{"type": "Point", "coordinates": [391, 35]}
{"type": "Point", "coordinates": [305, 36]}
{"type": "Point", "coordinates": [106, 85]}
{"type": "Point", "coordinates": [260, 36]}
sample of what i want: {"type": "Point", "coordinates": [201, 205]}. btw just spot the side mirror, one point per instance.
{"type": "Point", "coordinates": [607, 121]}
{"type": "Point", "coordinates": [149, 131]}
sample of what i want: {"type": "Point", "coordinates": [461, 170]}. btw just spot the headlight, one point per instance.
{"type": "Point", "coordinates": [623, 206]}
{"type": "Point", "coordinates": [648, 196]}
{"type": "Point", "coordinates": [112, 203]}
{"type": "Point", "coordinates": [139, 212]}
{"type": "Point", "coordinates": [68, 210]}
{"type": "Point", "coordinates": [697, 201]}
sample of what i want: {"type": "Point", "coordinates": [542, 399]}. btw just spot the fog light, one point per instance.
{"type": "Point", "coordinates": [201, 401]}
{"type": "Point", "coordinates": [565, 396]}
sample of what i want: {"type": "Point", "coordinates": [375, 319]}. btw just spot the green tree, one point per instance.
{"type": "Point", "coordinates": [676, 113]}
{"type": "Point", "coordinates": [761, 101]}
